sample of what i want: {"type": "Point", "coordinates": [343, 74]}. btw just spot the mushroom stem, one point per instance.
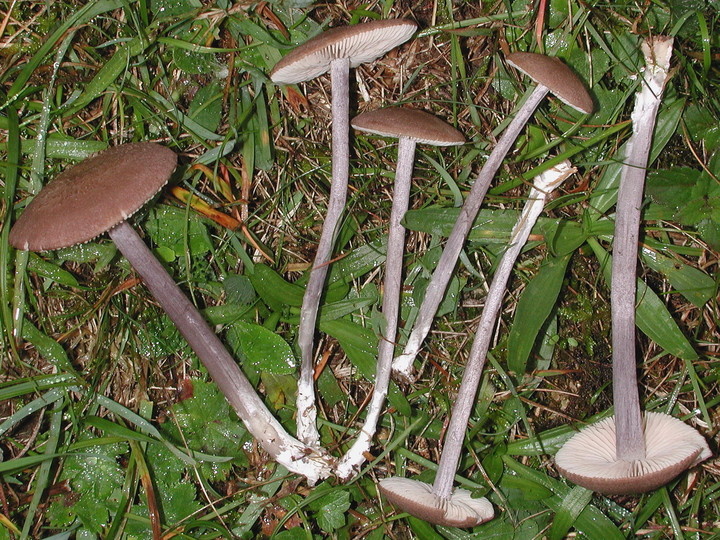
{"type": "Point", "coordinates": [630, 444]}
{"type": "Point", "coordinates": [340, 91]}
{"type": "Point", "coordinates": [403, 364]}
{"type": "Point", "coordinates": [455, 434]}
{"type": "Point", "coordinates": [282, 447]}
{"type": "Point", "coordinates": [354, 457]}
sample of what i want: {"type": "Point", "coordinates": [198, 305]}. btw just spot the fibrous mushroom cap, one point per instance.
{"type": "Point", "coordinates": [359, 43]}
{"type": "Point", "coordinates": [94, 195]}
{"type": "Point", "coordinates": [417, 125]}
{"type": "Point", "coordinates": [588, 458]}
{"type": "Point", "coordinates": [556, 76]}
{"type": "Point", "coordinates": [417, 498]}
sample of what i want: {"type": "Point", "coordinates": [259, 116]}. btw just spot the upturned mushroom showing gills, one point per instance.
{"type": "Point", "coordinates": [98, 195]}
{"type": "Point", "coordinates": [551, 75]}
{"type": "Point", "coordinates": [335, 50]}
{"type": "Point", "coordinates": [627, 453]}
{"type": "Point", "coordinates": [441, 504]}
{"type": "Point", "coordinates": [410, 127]}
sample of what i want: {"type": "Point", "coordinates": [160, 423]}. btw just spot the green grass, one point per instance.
{"type": "Point", "coordinates": [109, 427]}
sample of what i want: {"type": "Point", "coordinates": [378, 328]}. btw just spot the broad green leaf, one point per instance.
{"type": "Point", "coordinates": [207, 424]}
{"type": "Point", "coordinates": [605, 193]}
{"type": "Point", "coordinates": [530, 490]}
{"type": "Point", "coordinates": [148, 427]}
{"type": "Point", "coordinates": [651, 315]}
{"type": "Point", "coordinates": [332, 509]}
{"type": "Point", "coordinates": [260, 348]}
{"type": "Point", "coordinates": [167, 227]}
{"type": "Point", "coordinates": [359, 261]}
{"type": "Point", "coordinates": [334, 310]}
{"type": "Point", "coordinates": [228, 313]}
{"type": "Point", "coordinates": [276, 292]}
{"type": "Point", "coordinates": [360, 345]}
{"type": "Point", "coordinates": [672, 188]}
{"type": "Point", "coordinates": [574, 502]}
{"type": "Point", "coordinates": [173, 8]}
{"type": "Point", "coordinates": [99, 253]}
{"type": "Point", "coordinates": [273, 289]}
{"type": "Point", "coordinates": [238, 289]}
{"type": "Point", "coordinates": [450, 299]}
{"type": "Point", "coordinates": [206, 106]}
{"type": "Point", "coordinates": [96, 479]}
{"type": "Point", "coordinates": [533, 308]}
{"type": "Point", "coordinates": [692, 283]}
{"type": "Point", "coordinates": [423, 529]}
{"type": "Point", "coordinates": [692, 195]}
{"type": "Point", "coordinates": [175, 497]}
{"type": "Point", "coordinates": [490, 226]}
{"type": "Point", "coordinates": [547, 442]}
{"type": "Point", "coordinates": [279, 389]}
{"type": "Point", "coordinates": [264, 158]}
{"type": "Point", "coordinates": [590, 521]}
{"type": "Point", "coordinates": [565, 237]}
{"type": "Point", "coordinates": [702, 125]}
{"type": "Point", "coordinates": [47, 347]}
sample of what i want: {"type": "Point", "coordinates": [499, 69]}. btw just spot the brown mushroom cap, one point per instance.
{"type": "Point", "coordinates": [91, 197]}
{"type": "Point", "coordinates": [556, 76]}
{"type": "Point", "coordinates": [359, 43]}
{"type": "Point", "coordinates": [588, 458]}
{"type": "Point", "coordinates": [417, 499]}
{"type": "Point", "coordinates": [417, 125]}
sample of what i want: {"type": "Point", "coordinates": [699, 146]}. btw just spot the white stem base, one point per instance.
{"type": "Point", "coordinates": [312, 463]}
{"type": "Point", "coordinates": [306, 411]}
{"type": "Point", "coordinates": [355, 457]}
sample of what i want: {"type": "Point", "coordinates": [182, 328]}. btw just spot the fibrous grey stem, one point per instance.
{"type": "Point", "coordinates": [455, 434]}
{"type": "Point", "coordinates": [628, 417]}
{"type": "Point", "coordinates": [391, 309]}
{"type": "Point", "coordinates": [283, 448]}
{"type": "Point", "coordinates": [403, 364]}
{"type": "Point", "coordinates": [340, 91]}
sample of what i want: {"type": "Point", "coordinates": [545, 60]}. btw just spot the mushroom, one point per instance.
{"type": "Point", "coordinates": [418, 499]}
{"type": "Point", "coordinates": [410, 127]}
{"type": "Point", "coordinates": [551, 75]}
{"type": "Point", "coordinates": [626, 453]}
{"type": "Point", "coordinates": [442, 504]}
{"type": "Point", "coordinates": [335, 50]}
{"type": "Point", "coordinates": [98, 195]}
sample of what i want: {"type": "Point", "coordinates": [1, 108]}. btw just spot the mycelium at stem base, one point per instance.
{"type": "Point", "coordinates": [263, 426]}
{"type": "Point", "coordinates": [441, 504]}
{"type": "Point", "coordinates": [391, 290]}
{"type": "Point", "coordinates": [627, 453]}
{"type": "Point", "coordinates": [335, 50]}
{"type": "Point", "coordinates": [307, 411]}
{"type": "Point", "coordinates": [98, 195]}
